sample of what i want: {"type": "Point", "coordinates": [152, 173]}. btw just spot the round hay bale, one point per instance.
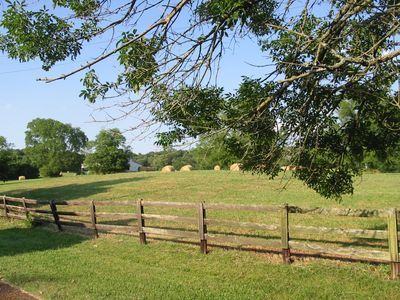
{"type": "Point", "coordinates": [168, 169]}
{"type": "Point", "coordinates": [217, 168]}
{"type": "Point", "coordinates": [21, 178]}
{"type": "Point", "coordinates": [186, 168]}
{"type": "Point", "coordinates": [236, 167]}
{"type": "Point", "coordinates": [290, 168]}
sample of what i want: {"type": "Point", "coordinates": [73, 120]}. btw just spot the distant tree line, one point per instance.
{"type": "Point", "coordinates": [53, 147]}
{"type": "Point", "coordinates": [14, 162]}
{"type": "Point", "coordinates": [209, 151]}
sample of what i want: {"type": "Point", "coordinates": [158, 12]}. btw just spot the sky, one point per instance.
{"type": "Point", "coordinates": [23, 98]}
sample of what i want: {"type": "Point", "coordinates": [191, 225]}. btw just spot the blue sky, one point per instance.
{"type": "Point", "coordinates": [22, 98]}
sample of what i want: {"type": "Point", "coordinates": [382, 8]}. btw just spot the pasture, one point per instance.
{"type": "Point", "coordinates": [65, 266]}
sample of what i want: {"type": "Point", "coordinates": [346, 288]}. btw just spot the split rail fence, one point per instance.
{"type": "Point", "coordinates": [35, 210]}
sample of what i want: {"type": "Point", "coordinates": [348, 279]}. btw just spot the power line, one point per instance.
{"type": "Point", "coordinates": [19, 71]}
{"type": "Point", "coordinates": [39, 68]}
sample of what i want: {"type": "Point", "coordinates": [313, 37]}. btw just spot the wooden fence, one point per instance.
{"type": "Point", "coordinates": [35, 210]}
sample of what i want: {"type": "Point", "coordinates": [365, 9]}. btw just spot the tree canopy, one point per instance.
{"type": "Point", "coordinates": [108, 153]}
{"type": "Point", "coordinates": [318, 54]}
{"type": "Point", "coordinates": [170, 156]}
{"type": "Point", "coordinates": [14, 163]}
{"type": "Point", "coordinates": [5, 157]}
{"type": "Point", "coordinates": [53, 146]}
{"type": "Point", "coordinates": [211, 151]}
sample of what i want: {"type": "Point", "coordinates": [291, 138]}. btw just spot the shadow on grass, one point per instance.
{"type": "Point", "coordinates": [14, 241]}
{"type": "Point", "coordinates": [382, 226]}
{"type": "Point", "coordinates": [72, 191]}
{"type": "Point", "coordinates": [121, 222]}
{"type": "Point", "coordinates": [369, 244]}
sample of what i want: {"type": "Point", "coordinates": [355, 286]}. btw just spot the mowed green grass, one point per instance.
{"type": "Point", "coordinates": [371, 190]}
{"type": "Point", "coordinates": [56, 265]}
{"type": "Point", "coordinates": [64, 266]}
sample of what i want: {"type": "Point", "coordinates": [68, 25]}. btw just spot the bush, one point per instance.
{"type": "Point", "coordinates": [23, 169]}
{"type": "Point", "coordinates": [49, 170]}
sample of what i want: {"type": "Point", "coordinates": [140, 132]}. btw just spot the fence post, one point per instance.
{"type": "Point", "coordinates": [393, 240]}
{"type": "Point", "coordinates": [55, 214]}
{"type": "Point", "coordinates": [285, 233]}
{"type": "Point", "coordinates": [5, 207]}
{"type": "Point", "coordinates": [25, 208]}
{"type": "Point", "coordinates": [93, 218]}
{"type": "Point", "coordinates": [140, 211]}
{"type": "Point", "coordinates": [202, 228]}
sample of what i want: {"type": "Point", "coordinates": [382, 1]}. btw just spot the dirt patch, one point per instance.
{"type": "Point", "coordinates": [8, 292]}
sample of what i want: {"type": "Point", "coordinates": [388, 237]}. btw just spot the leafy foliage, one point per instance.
{"type": "Point", "coordinates": [318, 54]}
{"type": "Point", "coordinates": [41, 34]}
{"type": "Point", "coordinates": [54, 147]}
{"type": "Point", "coordinates": [157, 160]}
{"type": "Point", "coordinates": [188, 112]}
{"type": "Point", "coordinates": [14, 163]}
{"type": "Point", "coordinates": [382, 148]}
{"type": "Point", "coordinates": [109, 155]}
{"type": "Point", "coordinates": [5, 157]}
{"type": "Point", "coordinates": [20, 165]}
{"type": "Point", "coordinates": [214, 150]}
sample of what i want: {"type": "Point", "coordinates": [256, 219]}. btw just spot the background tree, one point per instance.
{"type": "Point", "coordinates": [169, 156]}
{"type": "Point", "coordinates": [14, 163]}
{"type": "Point", "coordinates": [213, 150]}
{"type": "Point", "coordinates": [20, 165]}
{"type": "Point", "coordinates": [382, 159]}
{"type": "Point", "coordinates": [5, 159]}
{"type": "Point", "coordinates": [53, 146]}
{"type": "Point", "coordinates": [318, 53]}
{"type": "Point", "coordinates": [109, 154]}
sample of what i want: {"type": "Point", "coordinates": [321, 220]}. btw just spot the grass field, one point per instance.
{"type": "Point", "coordinates": [371, 190]}
{"type": "Point", "coordinates": [55, 265]}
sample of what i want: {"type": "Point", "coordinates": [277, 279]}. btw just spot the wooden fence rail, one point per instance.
{"type": "Point", "coordinates": [36, 211]}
